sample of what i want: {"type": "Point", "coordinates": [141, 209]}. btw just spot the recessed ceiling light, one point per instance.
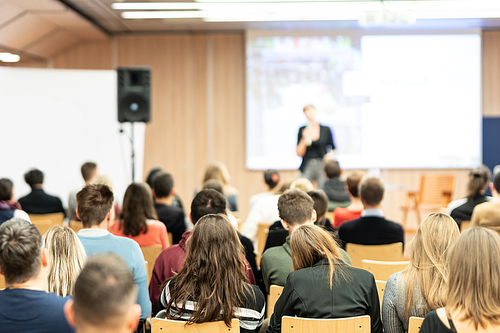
{"type": "Point", "coordinates": [9, 57]}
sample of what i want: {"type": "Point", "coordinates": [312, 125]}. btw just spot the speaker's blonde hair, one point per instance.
{"type": "Point", "coordinates": [66, 258]}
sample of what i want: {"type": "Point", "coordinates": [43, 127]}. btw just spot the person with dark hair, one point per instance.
{"type": "Point", "coordinates": [95, 203]}
{"type": "Point", "coordinates": [104, 297]}
{"type": "Point", "coordinates": [488, 214]}
{"type": "Point", "coordinates": [371, 228]}
{"type": "Point", "coordinates": [334, 187]}
{"type": "Point", "coordinates": [89, 172]}
{"type": "Point", "coordinates": [24, 305]}
{"type": "Point", "coordinates": [8, 207]}
{"type": "Point", "coordinates": [211, 285]}
{"type": "Point", "coordinates": [272, 179]}
{"type": "Point", "coordinates": [39, 202]}
{"type": "Point", "coordinates": [164, 195]}
{"type": "Point", "coordinates": [176, 202]}
{"type": "Point", "coordinates": [138, 219]}
{"type": "Point", "coordinates": [171, 260]}
{"type": "Point", "coordinates": [353, 211]}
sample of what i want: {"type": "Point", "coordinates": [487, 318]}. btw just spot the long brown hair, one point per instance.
{"type": "Point", "coordinates": [429, 254]}
{"type": "Point", "coordinates": [138, 207]}
{"type": "Point", "coordinates": [310, 244]}
{"type": "Point", "coordinates": [474, 284]}
{"type": "Point", "coordinates": [478, 181]}
{"type": "Point", "coordinates": [213, 274]}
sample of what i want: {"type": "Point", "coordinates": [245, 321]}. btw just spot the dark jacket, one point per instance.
{"type": "Point", "coordinates": [39, 202]}
{"type": "Point", "coordinates": [371, 230]}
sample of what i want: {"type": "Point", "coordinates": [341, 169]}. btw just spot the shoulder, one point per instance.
{"type": "Point", "coordinates": [435, 321]}
{"type": "Point", "coordinates": [455, 204]}
{"type": "Point", "coordinates": [22, 214]}
{"type": "Point", "coordinates": [157, 225]}
{"type": "Point", "coordinates": [394, 225]}
{"type": "Point", "coordinates": [348, 225]}
{"type": "Point", "coordinates": [485, 206]}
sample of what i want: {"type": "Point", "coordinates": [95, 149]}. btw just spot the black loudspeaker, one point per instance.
{"type": "Point", "coordinates": [134, 92]}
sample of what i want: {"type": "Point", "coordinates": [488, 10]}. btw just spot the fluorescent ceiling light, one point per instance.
{"type": "Point", "coordinates": [9, 57]}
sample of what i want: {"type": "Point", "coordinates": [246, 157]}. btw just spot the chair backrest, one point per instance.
{"type": "Point", "coordinates": [380, 290]}
{"type": "Point", "coordinates": [414, 324]}
{"type": "Point", "coordinates": [465, 225]}
{"type": "Point", "coordinates": [150, 254]}
{"type": "Point", "coordinates": [342, 325]}
{"type": "Point", "coordinates": [262, 231]}
{"type": "Point", "coordinates": [170, 239]}
{"type": "Point", "coordinates": [381, 270]}
{"type": "Point", "coordinates": [436, 189]}
{"type": "Point", "coordinates": [386, 252]}
{"type": "Point", "coordinates": [76, 225]}
{"type": "Point", "coordinates": [177, 326]}
{"type": "Point", "coordinates": [43, 225]}
{"type": "Point", "coordinates": [274, 294]}
{"type": "Point", "coordinates": [2, 282]}
{"type": "Point", "coordinates": [56, 218]}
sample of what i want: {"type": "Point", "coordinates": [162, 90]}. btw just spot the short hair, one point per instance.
{"type": "Point", "coordinates": [272, 178]}
{"type": "Point", "coordinates": [33, 177]}
{"type": "Point", "coordinates": [94, 202]}
{"type": "Point", "coordinates": [332, 169]}
{"type": "Point", "coordinates": [104, 290]}
{"type": "Point", "coordinates": [214, 184]}
{"type": "Point", "coordinates": [6, 186]}
{"type": "Point", "coordinates": [151, 176]}
{"type": "Point", "coordinates": [88, 170]}
{"type": "Point", "coordinates": [207, 201]}
{"type": "Point", "coordinates": [320, 201]}
{"type": "Point", "coordinates": [352, 182]}
{"type": "Point", "coordinates": [295, 206]}
{"type": "Point", "coordinates": [163, 183]}
{"type": "Point", "coordinates": [20, 250]}
{"type": "Point", "coordinates": [371, 190]}
{"type": "Point", "coordinates": [303, 184]}
{"type": "Point", "coordinates": [496, 182]}
{"type": "Point", "coordinates": [307, 107]}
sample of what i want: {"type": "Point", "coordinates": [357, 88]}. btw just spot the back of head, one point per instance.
{"type": "Point", "coordinates": [303, 184]}
{"type": "Point", "coordinates": [332, 169]}
{"type": "Point", "coordinates": [66, 257]}
{"type": "Point", "coordinates": [478, 181]}
{"type": "Point", "coordinates": [163, 184]}
{"type": "Point", "coordinates": [104, 292]}
{"type": "Point", "coordinates": [151, 176]}
{"type": "Point", "coordinates": [88, 171]}
{"type": "Point", "coordinates": [138, 207]}
{"type": "Point", "coordinates": [206, 202]}
{"type": "Point", "coordinates": [272, 178]}
{"type": "Point", "coordinates": [20, 251]}
{"type": "Point", "coordinates": [371, 190]}
{"type": "Point", "coordinates": [320, 203]}
{"type": "Point", "coordinates": [214, 184]}
{"type": "Point", "coordinates": [295, 206]}
{"type": "Point", "coordinates": [429, 255]}
{"type": "Point", "coordinates": [6, 186]}
{"type": "Point", "coordinates": [474, 280]}
{"type": "Point", "coordinates": [33, 177]}
{"type": "Point", "coordinates": [496, 182]}
{"type": "Point", "coordinates": [216, 170]}
{"type": "Point", "coordinates": [352, 182]}
{"type": "Point", "coordinates": [94, 202]}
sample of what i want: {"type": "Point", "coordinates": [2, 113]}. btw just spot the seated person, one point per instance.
{"type": "Point", "coordinates": [89, 173]}
{"type": "Point", "coordinates": [272, 180]}
{"type": "Point", "coordinates": [95, 204]}
{"type": "Point", "coordinates": [177, 202]}
{"type": "Point", "coordinates": [39, 202]}
{"type": "Point", "coordinates": [353, 211]}
{"type": "Point", "coordinates": [172, 216]}
{"type": "Point", "coordinates": [8, 207]}
{"type": "Point", "coordinates": [218, 170]}
{"type": "Point", "coordinates": [24, 305]}
{"type": "Point", "coordinates": [371, 228]}
{"type": "Point", "coordinates": [212, 285]}
{"type": "Point", "coordinates": [138, 218]}
{"type": "Point", "coordinates": [334, 187]}
{"type": "Point", "coordinates": [104, 299]}
{"type": "Point", "coordinates": [488, 214]}
{"type": "Point", "coordinates": [322, 285]}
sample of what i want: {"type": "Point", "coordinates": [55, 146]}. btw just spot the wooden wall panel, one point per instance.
{"type": "Point", "coordinates": [491, 73]}
{"type": "Point", "coordinates": [89, 55]}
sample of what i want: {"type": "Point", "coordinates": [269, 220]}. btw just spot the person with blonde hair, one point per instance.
{"type": "Point", "coordinates": [421, 287]}
{"type": "Point", "coordinates": [473, 293]}
{"type": "Point", "coordinates": [218, 170]}
{"type": "Point", "coordinates": [66, 258]}
{"type": "Point", "coordinates": [322, 285]}
{"type": "Point", "coordinates": [303, 184]}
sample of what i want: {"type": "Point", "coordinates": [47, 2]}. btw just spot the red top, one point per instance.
{"type": "Point", "coordinates": [156, 235]}
{"type": "Point", "coordinates": [340, 215]}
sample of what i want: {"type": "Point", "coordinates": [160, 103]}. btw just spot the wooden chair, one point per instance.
{"type": "Point", "coordinates": [76, 225]}
{"type": "Point", "coordinates": [177, 326]}
{"type": "Point", "coordinates": [415, 324]}
{"type": "Point", "coordinates": [2, 282]}
{"type": "Point", "coordinates": [435, 192]}
{"type": "Point", "coordinates": [274, 294]}
{"type": "Point", "coordinates": [170, 239]}
{"type": "Point", "coordinates": [56, 218]}
{"type": "Point", "coordinates": [341, 325]}
{"type": "Point", "coordinates": [381, 270]}
{"type": "Point", "coordinates": [465, 225]}
{"type": "Point", "coordinates": [43, 225]}
{"type": "Point", "coordinates": [150, 254]}
{"type": "Point", "coordinates": [387, 252]}
{"type": "Point", "coordinates": [380, 290]}
{"type": "Point", "coordinates": [262, 231]}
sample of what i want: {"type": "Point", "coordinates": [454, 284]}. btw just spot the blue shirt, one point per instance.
{"type": "Point", "coordinates": [98, 241]}
{"type": "Point", "coordinates": [32, 311]}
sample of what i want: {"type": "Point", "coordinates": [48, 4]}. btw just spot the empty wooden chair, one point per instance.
{"type": "Point", "coordinates": [381, 270]}
{"type": "Point", "coordinates": [76, 225]}
{"type": "Point", "coordinates": [56, 218]}
{"type": "Point", "coordinates": [262, 231]}
{"type": "Point", "coordinates": [43, 225]}
{"type": "Point", "coordinates": [465, 225]}
{"type": "Point", "coordinates": [177, 326]}
{"type": "Point", "coordinates": [386, 252]}
{"type": "Point", "coordinates": [274, 294]}
{"type": "Point", "coordinates": [150, 254]}
{"type": "Point", "coordinates": [415, 324]}
{"type": "Point", "coordinates": [359, 324]}
{"type": "Point", "coordinates": [380, 290]}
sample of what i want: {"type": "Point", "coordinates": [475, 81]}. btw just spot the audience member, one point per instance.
{"type": "Point", "coordinates": [103, 179]}
{"type": "Point", "coordinates": [211, 285]}
{"type": "Point", "coordinates": [24, 304]}
{"type": "Point", "coordinates": [334, 187]}
{"type": "Point", "coordinates": [353, 211]}
{"type": "Point", "coordinates": [303, 184]}
{"type": "Point", "coordinates": [171, 260]}
{"type": "Point", "coordinates": [219, 187]}
{"type": "Point", "coordinates": [164, 195]}
{"type": "Point", "coordinates": [371, 228]}
{"type": "Point", "coordinates": [8, 207]}
{"type": "Point", "coordinates": [473, 294]}
{"type": "Point", "coordinates": [461, 210]}
{"type": "Point", "coordinates": [89, 172]}
{"type": "Point", "coordinates": [273, 181]}
{"type": "Point", "coordinates": [95, 202]}
{"type": "Point", "coordinates": [218, 170]}
{"type": "Point", "coordinates": [104, 299]}
{"type": "Point", "coordinates": [488, 214]}
{"type": "Point", "coordinates": [322, 285]}
{"type": "Point", "coordinates": [65, 259]}
{"type": "Point", "coordinates": [422, 286]}
{"type": "Point", "coordinates": [39, 202]}
{"type": "Point", "coordinates": [177, 202]}
{"type": "Point", "coordinates": [138, 218]}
